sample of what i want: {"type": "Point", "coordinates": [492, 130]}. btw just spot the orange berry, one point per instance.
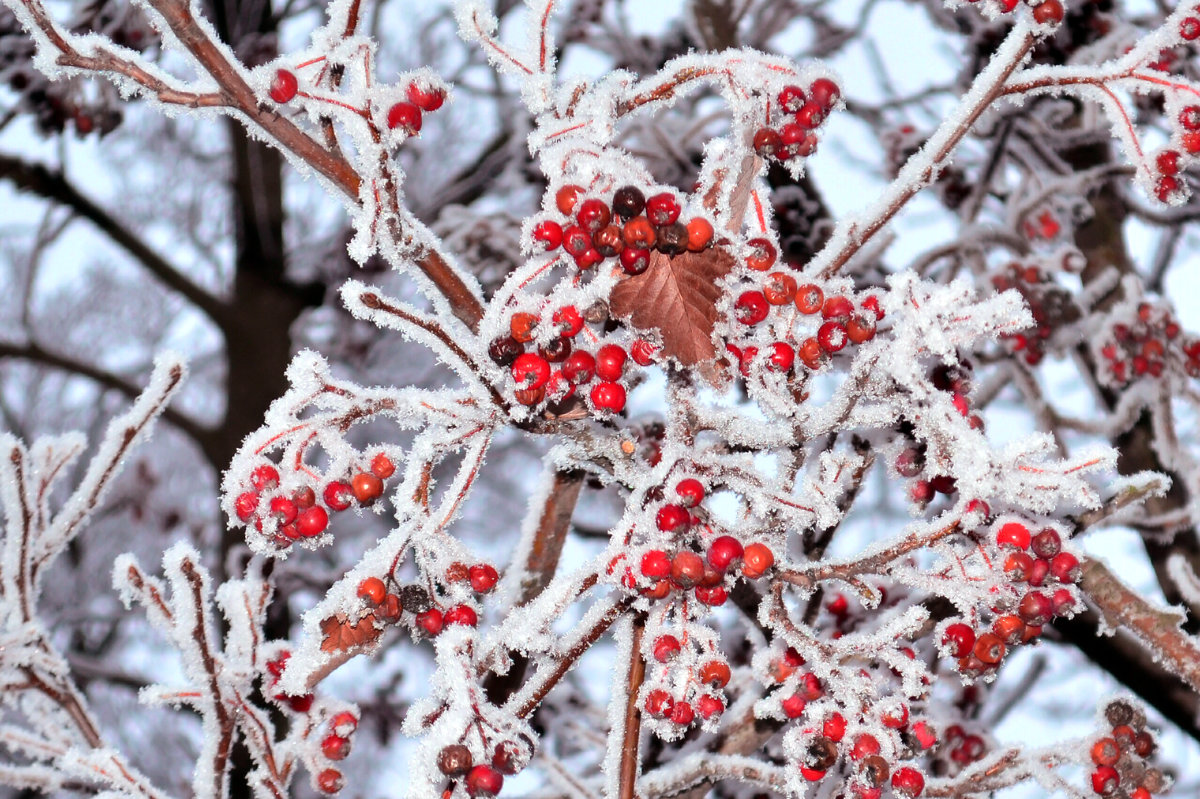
{"type": "Point", "coordinates": [756, 559]}
{"type": "Point", "coordinates": [367, 487]}
{"type": "Point", "coordinates": [382, 466]}
{"type": "Point", "coordinates": [373, 590]}
{"type": "Point", "coordinates": [699, 234]}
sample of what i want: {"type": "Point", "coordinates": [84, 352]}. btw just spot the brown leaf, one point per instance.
{"type": "Point", "coordinates": [678, 297]}
{"type": "Point", "coordinates": [341, 635]}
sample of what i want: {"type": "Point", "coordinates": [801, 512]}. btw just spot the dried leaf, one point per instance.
{"type": "Point", "coordinates": [678, 297]}
{"type": "Point", "coordinates": [341, 635]}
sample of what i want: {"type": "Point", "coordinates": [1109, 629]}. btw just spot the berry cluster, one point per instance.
{"type": "Point", "coordinates": [1143, 344]}
{"type": "Point", "coordinates": [483, 776]}
{"type": "Point", "coordinates": [1051, 305]}
{"type": "Point", "coordinates": [1045, 12]}
{"type": "Point", "coordinates": [1034, 563]}
{"type": "Point", "coordinates": [404, 116]}
{"type": "Point", "coordinates": [962, 748]}
{"type": "Point", "coordinates": [1120, 758]}
{"type": "Point", "coordinates": [839, 322]}
{"type": "Point", "coordinates": [427, 617]}
{"type": "Point", "coordinates": [335, 745]}
{"type": "Point", "coordinates": [627, 228]}
{"type": "Point", "coordinates": [556, 368]}
{"type": "Point", "coordinates": [802, 112]}
{"type": "Point", "coordinates": [301, 513]}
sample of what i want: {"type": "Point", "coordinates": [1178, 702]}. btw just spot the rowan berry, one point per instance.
{"type": "Point", "coordinates": [761, 255]}
{"type": "Point", "coordinates": [634, 261]}
{"type": "Point", "coordinates": [566, 197]}
{"type": "Point", "coordinates": [756, 560]}
{"type": "Point", "coordinates": [330, 781]}
{"type": "Point", "coordinates": [809, 298]}
{"type": "Point", "coordinates": [484, 781]}
{"type": "Point", "coordinates": [284, 86]}
{"type": "Point", "coordinates": [335, 747]}
{"type": "Point", "coordinates": [483, 577]}
{"type": "Point", "coordinates": [608, 397]}
{"type": "Point", "coordinates": [662, 208]}
{"type": "Point", "coordinates": [628, 202]}
{"type": "Point", "coordinates": [373, 590]}
{"type": "Point", "coordinates": [530, 370]}
{"type": "Point", "coordinates": [312, 522]}
{"type": "Point", "coordinates": [367, 487]}
{"type": "Point", "coordinates": [666, 648]}
{"type": "Point", "coordinates": [687, 569]}
{"type": "Point", "coordinates": [405, 116]}
{"type": "Point", "coordinates": [461, 614]}
{"type": "Point", "coordinates": [715, 673]}
{"type": "Point", "coordinates": [455, 760]}
{"type": "Point", "coordinates": [1013, 534]}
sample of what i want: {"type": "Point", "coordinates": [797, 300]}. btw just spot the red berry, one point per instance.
{"type": "Point", "coordinates": [756, 559]}
{"type": "Point", "coordinates": [610, 362]}
{"type": "Point", "coordinates": [1048, 12]}
{"type": "Point", "coordinates": [338, 495]}
{"type": "Point", "coordinates": [711, 595]}
{"type": "Point", "coordinates": [1035, 608]}
{"type": "Point", "coordinates": [1166, 188]}
{"type": "Point", "coordinates": [656, 564]}
{"type": "Point", "coordinates": [1189, 28]}
{"type": "Point", "coordinates": [659, 703]}
{"type": "Point", "coordinates": [682, 714]}
{"type": "Point", "coordinates": [608, 397]}
{"type": "Point", "coordinates": [580, 367]}
{"type": "Point", "coordinates": [576, 241]}
{"type": "Point", "coordinates": [834, 728]}
{"type": "Point", "coordinates": [1106, 752]}
{"type": "Point", "coordinates": [330, 781]}
{"type": "Point", "coordinates": [959, 638]}
{"type": "Point", "coordinates": [245, 505]}
{"type": "Point", "coordinates": [793, 706]}
{"type": "Point", "coordinates": [811, 115]}
{"type": "Point", "coordinates": [860, 328]}
{"type": "Point", "coordinates": [791, 98]}
{"type": "Point", "coordinates": [642, 352]}
{"type": "Point", "coordinates": [592, 215]}
{"type": "Point", "coordinates": [566, 197]}
{"type": "Point", "coordinates": [335, 747]}
{"type": "Point", "coordinates": [430, 621]}
{"type": "Point", "coordinates": [824, 92]}
{"type": "Point", "coordinates": [264, 477]}
{"type": "Point", "coordinates": [832, 336]}
{"type": "Point", "coordinates": [715, 673]}
{"type": "Point", "coordinates": [687, 569]}
{"type": "Point", "coordinates": [430, 99]}
{"type": "Point", "coordinates": [367, 487]}
{"type": "Point", "coordinates": [751, 307]}
{"type": "Point", "coordinates": [530, 370]}
{"type": "Point", "coordinates": [549, 234]}
{"type": "Point", "coordinates": [634, 260]}
{"type": "Point", "coordinates": [568, 321]}
{"type": "Point", "coordinates": [724, 552]}
{"type": "Point", "coordinates": [781, 358]}
{"type": "Point", "coordinates": [373, 590]}
{"type": "Point", "coordinates": [283, 86]}
{"type": "Point", "coordinates": [780, 288]}
{"type": "Point", "coordinates": [1167, 162]}
{"type": "Point", "coordinates": [766, 143]}
{"type": "Point", "coordinates": [662, 209]}
{"type": "Point", "coordinates": [809, 298]}
{"type": "Point", "coordinates": [461, 614]}
{"type": "Point", "coordinates": [343, 723]}
{"type": "Point", "coordinates": [690, 491]}
{"type": "Point", "coordinates": [865, 745]}
{"type": "Point", "coordinates": [483, 577]}
{"type": "Point", "coordinates": [1018, 566]}
{"type": "Point", "coordinates": [666, 648]}
{"type": "Point", "coordinates": [312, 522]}
{"type": "Point", "coordinates": [761, 255]}
{"type": "Point", "coordinates": [382, 466]}
{"type": "Point", "coordinates": [405, 116]}
{"type": "Point", "coordinates": [1064, 567]}
{"type": "Point", "coordinates": [484, 781]}
{"type": "Point", "coordinates": [1062, 602]}
{"type": "Point", "coordinates": [1105, 780]}
{"type": "Point", "coordinates": [989, 649]}
{"type": "Point", "coordinates": [907, 781]}
{"type": "Point", "coordinates": [1013, 534]}
{"type": "Point", "coordinates": [709, 706]}
{"type": "Point", "coordinates": [304, 497]}
{"type": "Point", "coordinates": [1047, 543]}
{"type": "Point", "coordinates": [672, 517]}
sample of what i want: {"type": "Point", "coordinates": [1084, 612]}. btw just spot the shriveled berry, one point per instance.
{"type": "Point", "coordinates": [455, 760]}
{"type": "Point", "coordinates": [504, 350]}
{"type": "Point", "coordinates": [628, 202]}
{"type": "Point", "coordinates": [609, 241]}
{"type": "Point", "coordinates": [672, 239]}
{"type": "Point", "coordinates": [382, 466]}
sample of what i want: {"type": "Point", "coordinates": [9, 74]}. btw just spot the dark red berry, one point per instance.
{"type": "Point", "coordinates": [283, 86]}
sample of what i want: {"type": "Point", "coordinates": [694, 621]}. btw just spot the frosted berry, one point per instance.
{"type": "Point", "coordinates": [634, 260]}
{"type": "Point", "coordinates": [608, 397]}
{"type": "Point", "coordinates": [687, 569]}
{"type": "Point", "coordinates": [724, 552]}
{"type": "Point", "coordinates": [530, 370]}
{"type": "Point", "coordinates": [284, 510]}
{"type": "Point", "coordinates": [666, 648]}
{"type": "Point", "coordinates": [659, 704]}
{"type": "Point", "coordinates": [711, 595]}
{"type": "Point", "coordinates": [430, 621]}
{"type": "Point", "coordinates": [837, 308]}
{"type": "Point", "coordinates": [766, 143]}
{"type": "Point", "coordinates": [639, 233]}
{"type": "Point", "coordinates": [1018, 567]}
{"type": "Point", "coordinates": [751, 307]}
{"type": "Point", "coordinates": [672, 239]}
{"type": "Point", "coordinates": [1013, 534]}
{"type": "Point", "coordinates": [811, 115]}
{"type": "Point", "coordinates": [382, 466]}
{"type": "Point", "coordinates": [860, 328]}
{"type": "Point", "coordinates": [304, 497]}
{"type": "Point", "coordinates": [580, 367]}
{"type": "Point", "coordinates": [427, 99]}
{"type": "Point", "coordinates": [1106, 781]}
{"type": "Point", "coordinates": [781, 357]}
{"type": "Point", "coordinates": [690, 491]}
{"type": "Point", "coordinates": [793, 706]}
{"type": "Point", "coordinates": [832, 336]}
{"type": "Point", "coordinates": [1189, 28]}
{"type": "Point", "coordinates": [1189, 117]}
{"type": "Point", "coordinates": [642, 352]}
{"type": "Point", "coordinates": [1064, 567]}
{"type": "Point", "coordinates": [283, 86]}
{"type": "Point", "coordinates": [1048, 12]}
{"type": "Point", "coordinates": [709, 706]}
{"type": "Point", "coordinates": [780, 288]}
{"type": "Point", "coordinates": [549, 234]}
{"type": "Point", "coordinates": [1105, 752]}
{"type": "Point", "coordinates": [367, 487]}
{"type": "Point", "coordinates": [809, 298]}
{"type": "Point", "coordinates": [405, 117]}
{"type": "Point", "coordinates": [656, 564]}
{"type": "Point", "coordinates": [335, 747]}
{"type": "Point", "coordinates": [338, 495]}
{"type": "Point", "coordinates": [989, 649]}
{"type": "Point", "coordinates": [1047, 543]}
{"type": "Point", "coordinates": [245, 505]}
{"type": "Point", "coordinates": [264, 477]}
{"type": "Point", "coordinates": [504, 350]}
{"type": "Point", "coordinates": [791, 99]}
{"type": "Point", "coordinates": [959, 638]}
{"type": "Point", "coordinates": [610, 362]}
{"type": "Point", "coordinates": [715, 673]}
{"type": "Point", "coordinates": [811, 354]}
{"type": "Point", "coordinates": [373, 590]}
{"type": "Point", "coordinates": [455, 760]}
{"type": "Point", "coordinates": [906, 781]}
{"type": "Point", "coordinates": [566, 197]}
{"type": "Point", "coordinates": [592, 215]}
{"type": "Point", "coordinates": [824, 92]}
{"type": "Point", "coordinates": [461, 614]}
{"type": "Point", "coordinates": [662, 209]}
{"type": "Point", "coordinates": [576, 241]}
{"type": "Point", "coordinates": [330, 781]}
{"type": "Point", "coordinates": [555, 350]}
{"type": "Point", "coordinates": [484, 781]}
{"type": "Point", "coordinates": [834, 727]}
{"type": "Point", "coordinates": [312, 522]}
{"type": "Point", "coordinates": [672, 517]}
{"type": "Point", "coordinates": [761, 255]}
{"type": "Point", "coordinates": [483, 577]}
